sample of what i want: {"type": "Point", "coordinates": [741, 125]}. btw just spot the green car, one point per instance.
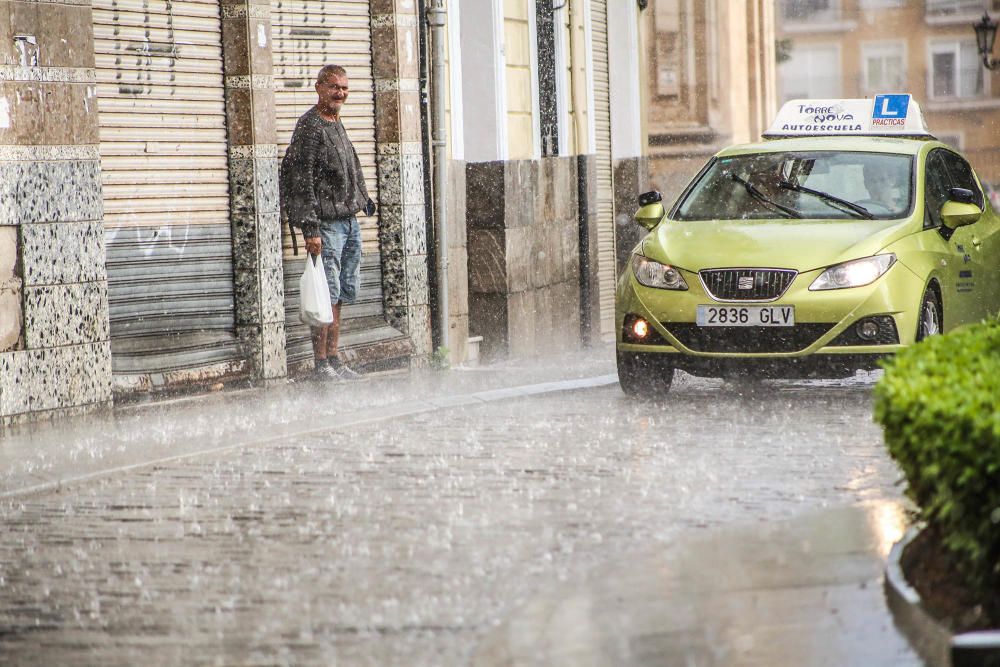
{"type": "Point", "coordinates": [849, 233]}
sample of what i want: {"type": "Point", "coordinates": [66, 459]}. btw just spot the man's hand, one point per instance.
{"type": "Point", "coordinates": [314, 245]}
{"type": "Point", "coordinates": [370, 208]}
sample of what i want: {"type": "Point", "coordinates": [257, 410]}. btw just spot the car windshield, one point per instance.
{"type": "Point", "coordinates": [813, 185]}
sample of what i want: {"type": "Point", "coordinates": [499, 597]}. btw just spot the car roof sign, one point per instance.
{"type": "Point", "coordinates": [880, 116]}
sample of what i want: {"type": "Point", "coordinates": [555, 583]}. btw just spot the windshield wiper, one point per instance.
{"type": "Point", "coordinates": [827, 198]}
{"type": "Point", "coordinates": [761, 197]}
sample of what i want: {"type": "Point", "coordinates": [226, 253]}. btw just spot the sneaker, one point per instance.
{"type": "Point", "coordinates": [343, 371]}
{"type": "Point", "coordinates": [325, 372]}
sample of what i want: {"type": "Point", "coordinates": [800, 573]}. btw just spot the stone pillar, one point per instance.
{"type": "Point", "coordinates": [253, 184]}
{"type": "Point", "coordinates": [55, 355]}
{"type": "Point", "coordinates": [402, 219]}
{"type": "Point", "coordinates": [524, 256]}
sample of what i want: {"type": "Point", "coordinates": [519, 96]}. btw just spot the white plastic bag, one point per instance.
{"type": "Point", "coordinates": [315, 308]}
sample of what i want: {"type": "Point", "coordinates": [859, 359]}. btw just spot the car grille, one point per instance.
{"type": "Point", "coordinates": [747, 339]}
{"type": "Point", "coordinates": [746, 284]}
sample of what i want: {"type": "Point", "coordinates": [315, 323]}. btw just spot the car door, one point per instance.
{"type": "Point", "coordinates": [976, 243]}
{"type": "Point", "coordinates": [950, 253]}
{"type": "Point", "coordinates": [983, 247]}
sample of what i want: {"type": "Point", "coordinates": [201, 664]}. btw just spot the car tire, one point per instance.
{"type": "Point", "coordinates": [931, 315]}
{"type": "Point", "coordinates": [644, 375]}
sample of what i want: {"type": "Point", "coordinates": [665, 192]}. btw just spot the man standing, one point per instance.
{"type": "Point", "coordinates": [322, 190]}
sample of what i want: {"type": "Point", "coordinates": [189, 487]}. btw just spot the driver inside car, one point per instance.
{"type": "Point", "coordinates": [885, 187]}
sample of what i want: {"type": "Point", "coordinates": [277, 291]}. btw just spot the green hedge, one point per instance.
{"type": "Point", "coordinates": [939, 406]}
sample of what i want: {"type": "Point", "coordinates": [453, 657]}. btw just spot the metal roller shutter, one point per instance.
{"type": "Point", "coordinates": [164, 171]}
{"type": "Point", "coordinates": [605, 184]}
{"type": "Point", "coordinates": [305, 35]}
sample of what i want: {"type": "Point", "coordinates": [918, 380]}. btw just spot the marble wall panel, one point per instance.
{"type": "Point", "coordinates": [63, 252]}
{"type": "Point", "coordinates": [246, 241]}
{"type": "Point", "coordinates": [10, 175]}
{"type": "Point", "coordinates": [73, 314]}
{"type": "Point", "coordinates": [396, 317]}
{"type": "Point", "coordinates": [412, 171]}
{"type": "Point", "coordinates": [50, 191]}
{"type": "Point", "coordinates": [266, 181]}
{"type": "Point", "coordinates": [265, 117]}
{"type": "Point", "coordinates": [416, 278]}
{"type": "Point", "coordinates": [235, 45]}
{"type": "Point", "coordinates": [394, 278]}
{"type": "Point", "coordinates": [11, 312]}
{"type": "Point", "coordinates": [389, 178]}
{"type": "Point", "coordinates": [272, 295]}
{"type": "Point", "coordinates": [387, 128]}
{"type": "Point", "coordinates": [50, 113]}
{"type": "Point", "coordinates": [390, 228]}
{"type": "Point", "coordinates": [247, 291]}
{"type": "Point", "coordinates": [414, 230]}
{"type": "Point", "coordinates": [419, 329]}
{"type": "Point", "coordinates": [241, 185]}
{"type": "Point", "coordinates": [48, 379]}
{"type": "Point", "coordinates": [239, 117]}
{"type": "Point", "coordinates": [252, 344]}
{"type": "Point", "coordinates": [275, 361]}
{"type": "Point", "coordinates": [261, 57]}
{"type": "Point", "coordinates": [269, 240]}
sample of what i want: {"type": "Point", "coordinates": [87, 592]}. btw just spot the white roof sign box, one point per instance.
{"type": "Point", "coordinates": [881, 116]}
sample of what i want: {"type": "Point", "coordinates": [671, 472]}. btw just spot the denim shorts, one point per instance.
{"type": "Point", "coordinates": [342, 257]}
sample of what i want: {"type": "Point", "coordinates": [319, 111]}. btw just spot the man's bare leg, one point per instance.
{"type": "Point", "coordinates": [333, 333]}
{"type": "Point", "coordinates": [320, 336]}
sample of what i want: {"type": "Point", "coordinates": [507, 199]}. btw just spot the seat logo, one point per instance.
{"type": "Point", "coordinates": [744, 282]}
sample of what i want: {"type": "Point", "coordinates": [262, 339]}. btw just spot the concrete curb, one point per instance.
{"type": "Point", "coordinates": [931, 639]}
{"type": "Point", "coordinates": [344, 423]}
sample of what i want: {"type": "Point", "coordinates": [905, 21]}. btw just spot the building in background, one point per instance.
{"type": "Point", "coordinates": [711, 83]}
{"type": "Point", "coordinates": [546, 141]}
{"type": "Point", "coordinates": [140, 243]}
{"type": "Point", "coordinates": [858, 48]}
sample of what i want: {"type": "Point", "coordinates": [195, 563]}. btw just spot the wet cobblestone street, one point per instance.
{"type": "Point", "coordinates": [407, 542]}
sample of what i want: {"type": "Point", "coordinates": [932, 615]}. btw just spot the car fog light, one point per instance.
{"type": "Point", "coordinates": [867, 329]}
{"type": "Point", "coordinates": [640, 328]}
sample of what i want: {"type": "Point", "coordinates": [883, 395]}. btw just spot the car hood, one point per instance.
{"type": "Point", "coordinates": [802, 245]}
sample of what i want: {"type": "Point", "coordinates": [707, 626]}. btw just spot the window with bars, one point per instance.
{"type": "Point", "coordinates": [955, 70]}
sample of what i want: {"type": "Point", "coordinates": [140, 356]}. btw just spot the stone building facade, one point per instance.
{"type": "Point", "coordinates": [141, 249]}
{"type": "Point", "coordinates": [76, 329]}
{"type": "Point", "coordinates": [711, 68]}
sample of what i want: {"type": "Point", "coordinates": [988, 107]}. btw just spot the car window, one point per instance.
{"type": "Point", "coordinates": [811, 185]}
{"type": "Point", "coordinates": [961, 175]}
{"type": "Point", "coordinates": [936, 185]}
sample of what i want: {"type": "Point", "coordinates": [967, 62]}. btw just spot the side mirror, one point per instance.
{"type": "Point", "coordinates": [957, 214]}
{"type": "Point", "coordinates": [651, 209]}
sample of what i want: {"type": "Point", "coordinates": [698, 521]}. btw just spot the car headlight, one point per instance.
{"type": "Point", "coordinates": [654, 274]}
{"type": "Point", "coordinates": [856, 273]}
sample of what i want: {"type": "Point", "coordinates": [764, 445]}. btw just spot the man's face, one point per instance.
{"type": "Point", "coordinates": [880, 183]}
{"type": "Point", "coordinates": [332, 91]}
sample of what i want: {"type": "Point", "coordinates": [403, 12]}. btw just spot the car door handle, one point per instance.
{"type": "Point", "coordinates": [976, 242]}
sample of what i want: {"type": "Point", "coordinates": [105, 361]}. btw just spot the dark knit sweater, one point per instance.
{"type": "Point", "coordinates": [321, 176]}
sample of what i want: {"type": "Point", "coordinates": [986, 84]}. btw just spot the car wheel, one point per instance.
{"type": "Point", "coordinates": [930, 315]}
{"type": "Point", "coordinates": [644, 375]}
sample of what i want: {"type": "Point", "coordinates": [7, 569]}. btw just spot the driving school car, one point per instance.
{"type": "Point", "coordinates": [846, 235]}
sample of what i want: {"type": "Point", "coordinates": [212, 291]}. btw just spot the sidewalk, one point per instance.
{"type": "Point", "coordinates": [802, 592]}
{"type": "Point", "coordinates": [798, 593]}
{"type": "Point", "coordinates": [44, 455]}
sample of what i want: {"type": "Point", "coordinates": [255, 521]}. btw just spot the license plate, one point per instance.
{"type": "Point", "coordinates": [746, 316]}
